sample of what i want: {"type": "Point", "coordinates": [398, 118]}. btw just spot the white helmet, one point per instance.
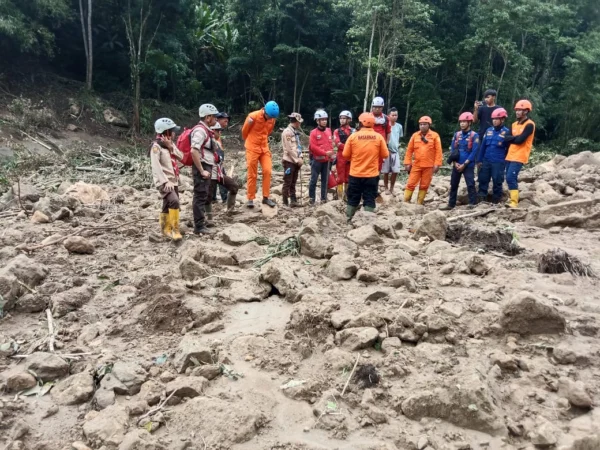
{"type": "Point", "coordinates": [208, 110]}
{"type": "Point", "coordinates": [321, 114]}
{"type": "Point", "coordinates": [216, 126]}
{"type": "Point", "coordinates": [378, 101]}
{"type": "Point", "coordinates": [164, 124]}
{"type": "Point", "coordinates": [347, 114]}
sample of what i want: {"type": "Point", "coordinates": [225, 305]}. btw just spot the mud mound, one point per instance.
{"type": "Point", "coordinates": [166, 313]}
{"type": "Point", "coordinates": [559, 261]}
{"type": "Point", "coordinates": [498, 240]}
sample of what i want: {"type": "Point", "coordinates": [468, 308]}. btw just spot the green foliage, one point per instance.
{"type": "Point", "coordinates": [431, 57]}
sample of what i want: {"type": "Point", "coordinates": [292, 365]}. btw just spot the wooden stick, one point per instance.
{"type": "Point", "coordinates": [33, 291]}
{"type": "Point", "coordinates": [19, 197]}
{"type": "Point", "coordinates": [351, 373]}
{"type": "Point", "coordinates": [158, 408]}
{"type": "Point", "coordinates": [50, 330]}
{"type": "Point", "coordinates": [197, 282]}
{"type": "Point", "coordinates": [93, 169]}
{"type": "Point", "coordinates": [475, 214]}
{"type": "Point", "coordinates": [36, 140]}
{"type": "Point", "coordinates": [63, 238]}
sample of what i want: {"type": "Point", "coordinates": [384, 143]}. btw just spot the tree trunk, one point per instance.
{"type": "Point", "coordinates": [85, 43]}
{"type": "Point", "coordinates": [505, 59]}
{"type": "Point", "coordinates": [136, 103]}
{"type": "Point", "coordinates": [90, 54]}
{"type": "Point", "coordinates": [369, 62]}
{"type": "Point", "coordinates": [296, 71]}
{"type": "Point", "coordinates": [412, 86]}
{"type": "Point", "coordinates": [302, 89]}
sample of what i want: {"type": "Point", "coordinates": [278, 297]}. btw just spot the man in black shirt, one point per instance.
{"type": "Point", "coordinates": [483, 111]}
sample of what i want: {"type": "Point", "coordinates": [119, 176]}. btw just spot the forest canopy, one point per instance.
{"type": "Point", "coordinates": [424, 57]}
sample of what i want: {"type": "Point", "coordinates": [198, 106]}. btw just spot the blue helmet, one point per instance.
{"type": "Point", "coordinates": [272, 109]}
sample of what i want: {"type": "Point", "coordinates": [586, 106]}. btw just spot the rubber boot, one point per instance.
{"type": "Point", "coordinates": [174, 222]}
{"type": "Point", "coordinates": [350, 211]}
{"type": "Point", "coordinates": [165, 224]}
{"type": "Point", "coordinates": [209, 215]}
{"type": "Point", "coordinates": [514, 198]}
{"type": "Point", "coordinates": [294, 202]}
{"type": "Point", "coordinates": [408, 195]}
{"type": "Point", "coordinates": [230, 203]}
{"type": "Point", "coordinates": [340, 191]}
{"type": "Point", "coordinates": [346, 192]}
{"type": "Point", "coordinates": [286, 201]}
{"type": "Point", "coordinates": [370, 209]}
{"type": "Point", "coordinates": [421, 197]}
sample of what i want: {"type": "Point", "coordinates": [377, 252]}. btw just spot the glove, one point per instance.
{"type": "Point", "coordinates": [288, 170]}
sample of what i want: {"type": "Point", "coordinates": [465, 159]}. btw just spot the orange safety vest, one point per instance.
{"type": "Point", "coordinates": [520, 152]}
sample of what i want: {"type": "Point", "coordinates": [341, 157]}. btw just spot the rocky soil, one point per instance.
{"type": "Point", "coordinates": [409, 329]}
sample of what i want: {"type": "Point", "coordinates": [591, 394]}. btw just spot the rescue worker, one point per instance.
{"type": "Point", "coordinates": [223, 120]}
{"type": "Point", "coordinates": [255, 132]}
{"type": "Point", "coordinates": [292, 159]}
{"type": "Point", "coordinates": [205, 157]}
{"type": "Point", "coordinates": [364, 149]}
{"type": "Point", "coordinates": [321, 148]}
{"type": "Point", "coordinates": [340, 136]}
{"type": "Point", "coordinates": [491, 157]}
{"type": "Point", "coordinates": [391, 165]}
{"type": "Point", "coordinates": [382, 122]}
{"type": "Point", "coordinates": [463, 152]}
{"type": "Point", "coordinates": [423, 158]}
{"type": "Point", "coordinates": [164, 156]}
{"type": "Point", "coordinates": [218, 177]}
{"type": "Point", "coordinates": [521, 143]}
{"type": "Point", "coordinates": [483, 111]}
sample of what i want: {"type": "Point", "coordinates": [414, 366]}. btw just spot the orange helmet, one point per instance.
{"type": "Point", "coordinates": [367, 119]}
{"type": "Point", "coordinates": [524, 104]}
{"type": "Point", "coordinates": [425, 119]}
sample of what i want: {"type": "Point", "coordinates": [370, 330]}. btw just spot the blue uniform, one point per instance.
{"type": "Point", "coordinates": [467, 144]}
{"type": "Point", "coordinates": [492, 155]}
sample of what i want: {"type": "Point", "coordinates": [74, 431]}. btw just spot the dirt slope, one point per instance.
{"type": "Point", "coordinates": [451, 344]}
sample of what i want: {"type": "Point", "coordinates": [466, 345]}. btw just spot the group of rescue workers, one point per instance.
{"type": "Point", "coordinates": [347, 159]}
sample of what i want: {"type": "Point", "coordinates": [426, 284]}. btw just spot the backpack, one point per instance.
{"type": "Point", "coordinates": [184, 144]}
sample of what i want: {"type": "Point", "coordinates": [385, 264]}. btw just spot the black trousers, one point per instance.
{"type": "Point", "coordinates": [290, 179]}
{"type": "Point", "coordinates": [227, 183]}
{"type": "Point", "coordinates": [170, 199]}
{"type": "Point", "coordinates": [201, 191]}
{"type": "Point", "coordinates": [362, 188]}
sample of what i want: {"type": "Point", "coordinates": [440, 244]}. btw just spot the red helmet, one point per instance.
{"type": "Point", "coordinates": [425, 119]}
{"type": "Point", "coordinates": [524, 104]}
{"type": "Point", "coordinates": [466, 117]}
{"type": "Point", "coordinates": [499, 113]}
{"type": "Point", "coordinates": [367, 119]}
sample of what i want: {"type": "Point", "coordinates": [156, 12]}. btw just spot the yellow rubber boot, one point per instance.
{"type": "Point", "coordinates": [174, 219]}
{"type": "Point", "coordinates": [407, 195]}
{"type": "Point", "coordinates": [340, 191]}
{"type": "Point", "coordinates": [421, 197]}
{"type": "Point", "coordinates": [514, 198]}
{"type": "Point", "coordinates": [164, 222]}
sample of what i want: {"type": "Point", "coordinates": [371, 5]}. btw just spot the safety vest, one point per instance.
{"type": "Point", "coordinates": [520, 152]}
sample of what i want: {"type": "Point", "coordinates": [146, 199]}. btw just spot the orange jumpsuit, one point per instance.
{"type": "Point", "coordinates": [255, 132]}
{"type": "Point", "coordinates": [426, 155]}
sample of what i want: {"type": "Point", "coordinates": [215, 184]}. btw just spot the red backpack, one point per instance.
{"type": "Point", "coordinates": [184, 143]}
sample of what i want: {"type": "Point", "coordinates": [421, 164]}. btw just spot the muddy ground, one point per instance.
{"type": "Point", "coordinates": [406, 329]}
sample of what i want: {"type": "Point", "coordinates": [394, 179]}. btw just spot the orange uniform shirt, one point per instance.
{"type": "Point", "coordinates": [520, 152]}
{"type": "Point", "coordinates": [256, 131]}
{"type": "Point", "coordinates": [365, 149]}
{"type": "Point", "coordinates": [425, 154]}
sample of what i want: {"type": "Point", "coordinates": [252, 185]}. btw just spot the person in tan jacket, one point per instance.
{"type": "Point", "coordinates": [292, 159]}
{"type": "Point", "coordinates": [164, 156]}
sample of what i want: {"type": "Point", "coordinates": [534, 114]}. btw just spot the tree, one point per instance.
{"type": "Point", "coordinates": [139, 45]}
{"type": "Point", "coordinates": [87, 41]}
